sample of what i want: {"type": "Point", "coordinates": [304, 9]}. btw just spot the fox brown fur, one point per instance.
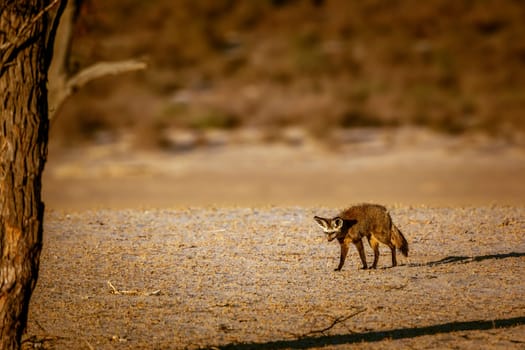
{"type": "Point", "coordinates": [365, 220]}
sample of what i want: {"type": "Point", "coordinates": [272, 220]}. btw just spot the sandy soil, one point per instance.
{"type": "Point", "coordinates": [217, 248]}
{"type": "Point", "coordinates": [263, 279]}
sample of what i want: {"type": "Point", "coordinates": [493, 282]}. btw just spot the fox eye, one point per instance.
{"type": "Point", "coordinates": [338, 223]}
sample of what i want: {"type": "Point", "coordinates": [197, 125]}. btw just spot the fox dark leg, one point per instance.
{"type": "Point", "coordinates": [359, 245]}
{"type": "Point", "coordinates": [374, 243]}
{"type": "Point", "coordinates": [344, 252]}
{"type": "Point", "coordinates": [394, 261]}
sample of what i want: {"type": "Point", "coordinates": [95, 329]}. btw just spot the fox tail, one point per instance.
{"type": "Point", "coordinates": [399, 240]}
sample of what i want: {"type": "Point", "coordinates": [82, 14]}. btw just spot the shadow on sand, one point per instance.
{"type": "Point", "coordinates": [376, 336]}
{"type": "Point", "coordinates": [401, 333]}
{"type": "Point", "coordinates": [468, 259]}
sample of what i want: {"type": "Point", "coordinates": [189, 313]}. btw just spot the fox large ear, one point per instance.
{"type": "Point", "coordinates": [322, 222]}
{"type": "Point", "coordinates": [338, 223]}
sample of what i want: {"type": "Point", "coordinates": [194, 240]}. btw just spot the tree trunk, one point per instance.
{"type": "Point", "coordinates": [23, 149]}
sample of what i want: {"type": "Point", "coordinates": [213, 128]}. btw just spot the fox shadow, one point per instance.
{"type": "Point", "coordinates": [376, 336]}
{"type": "Point", "coordinates": [467, 259]}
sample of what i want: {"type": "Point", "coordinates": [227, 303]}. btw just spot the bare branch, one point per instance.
{"type": "Point", "coordinates": [98, 70]}
{"type": "Point", "coordinates": [335, 321]}
{"type": "Point", "coordinates": [60, 84]}
{"type": "Point", "coordinates": [113, 289]}
{"type": "Point", "coordinates": [51, 37]}
{"type": "Point", "coordinates": [89, 345]}
{"type": "Point", "coordinates": [102, 69]}
{"type": "Point", "coordinates": [131, 292]}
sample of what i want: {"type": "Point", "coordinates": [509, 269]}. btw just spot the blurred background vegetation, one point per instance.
{"type": "Point", "coordinates": [320, 65]}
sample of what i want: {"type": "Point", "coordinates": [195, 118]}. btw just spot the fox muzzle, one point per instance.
{"type": "Point", "coordinates": [331, 236]}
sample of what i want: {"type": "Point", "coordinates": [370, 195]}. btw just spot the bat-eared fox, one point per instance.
{"type": "Point", "coordinates": [365, 220]}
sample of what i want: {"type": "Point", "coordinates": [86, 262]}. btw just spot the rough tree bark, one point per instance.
{"type": "Point", "coordinates": [28, 42]}
{"type": "Point", "coordinates": [23, 148]}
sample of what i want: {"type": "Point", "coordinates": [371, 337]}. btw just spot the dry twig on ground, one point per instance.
{"type": "Point", "coordinates": [335, 321]}
{"type": "Point", "coordinates": [116, 291]}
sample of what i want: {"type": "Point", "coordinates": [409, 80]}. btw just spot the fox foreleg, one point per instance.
{"type": "Point", "coordinates": [359, 245]}
{"type": "Point", "coordinates": [344, 253]}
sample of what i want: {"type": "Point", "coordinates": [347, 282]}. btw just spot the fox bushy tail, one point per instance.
{"type": "Point", "coordinates": [399, 240]}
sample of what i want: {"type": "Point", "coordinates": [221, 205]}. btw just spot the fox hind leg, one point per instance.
{"type": "Point", "coordinates": [374, 244]}
{"type": "Point", "coordinates": [393, 250]}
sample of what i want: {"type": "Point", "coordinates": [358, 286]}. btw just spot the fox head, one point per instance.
{"type": "Point", "coordinates": [336, 227]}
{"type": "Point", "coordinates": [332, 227]}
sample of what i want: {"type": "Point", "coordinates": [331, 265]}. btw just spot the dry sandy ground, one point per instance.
{"type": "Point", "coordinates": [263, 279]}
{"type": "Point", "coordinates": [217, 247]}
